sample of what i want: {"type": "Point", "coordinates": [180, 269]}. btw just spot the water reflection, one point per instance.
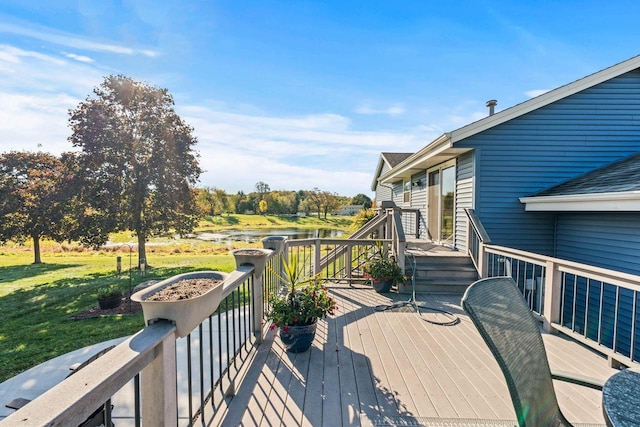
{"type": "Point", "coordinates": [251, 236]}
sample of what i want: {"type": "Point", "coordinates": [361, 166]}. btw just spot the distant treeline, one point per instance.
{"type": "Point", "coordinates": [214, 201]}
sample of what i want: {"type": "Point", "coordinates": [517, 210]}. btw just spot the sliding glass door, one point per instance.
{"type": "Point", "coordinates": [441, 202]}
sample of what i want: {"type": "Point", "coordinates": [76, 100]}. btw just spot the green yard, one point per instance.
{"type": "Point", "coordinates": [36, 301]}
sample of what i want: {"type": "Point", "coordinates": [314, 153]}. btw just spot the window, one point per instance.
{"type": "Point", "coordinates": [406, 189]}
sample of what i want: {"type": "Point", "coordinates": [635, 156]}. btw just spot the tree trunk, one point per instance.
{"type": "Point", "coordinates": [142, 250]}
{"type": "Point", "coordinates": [36, 249]}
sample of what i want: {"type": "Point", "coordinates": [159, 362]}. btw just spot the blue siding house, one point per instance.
{"type": "Point", "coordinates": [501, 166]}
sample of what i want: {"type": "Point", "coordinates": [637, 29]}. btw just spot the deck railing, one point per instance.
{"type": "Point", "coordinates": [336, 259]}
{"type": "Point", "coordinates": [410, 219]}
{"type": "Point", "coordinates": [596, 306]}
{"type": "Point", "coordinates": [211, 359]}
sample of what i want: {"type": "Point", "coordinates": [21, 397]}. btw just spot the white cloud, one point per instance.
{"type": "Point", "coordinates": [394, 110]}
{"type": "Point", "coordinates": [70, 40]}
{"type": "Point", "coordinates": [536, 92]}
{"type": "Point", "coordinates": [290, 153]}
{"type": "Point", "coordinates": [80, 58]}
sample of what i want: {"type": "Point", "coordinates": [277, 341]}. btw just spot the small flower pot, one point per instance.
{"type": "Point", "coordinates": [185, 313]}
{"type": "Point", "coordinates": [297, 339]}
{"type": "Point", "coordinates": [255, 256]}
{"type": "Point", "coordinates": [382, 286]}
{"type": "Point", "coordinates": [111, 301]}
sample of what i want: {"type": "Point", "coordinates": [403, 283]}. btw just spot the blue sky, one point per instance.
{"type": "Point", "coordinates": [300, 94]}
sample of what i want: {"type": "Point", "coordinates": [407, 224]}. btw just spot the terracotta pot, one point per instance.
{"type": "Point", "coordinates": [185, 313]}
{"type": "Point", "coordinates": [297, 339]}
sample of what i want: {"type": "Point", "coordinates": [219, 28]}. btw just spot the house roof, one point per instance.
{"type": "Point", "coordinates": [391, 159]}
{"type": "Point", "coordinates": [444, 146]}
{"type": "Point", "coordinates": [613, 187]}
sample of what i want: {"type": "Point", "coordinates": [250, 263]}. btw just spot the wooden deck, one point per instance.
{"type": "Point", "coordinates": [368, 367]}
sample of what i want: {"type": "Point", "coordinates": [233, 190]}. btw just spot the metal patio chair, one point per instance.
{"type": "Point", "coordinates": [505, 322]}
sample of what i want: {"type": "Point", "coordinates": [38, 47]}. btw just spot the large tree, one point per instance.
{"type": "Point", "coordinates": [33, 198]}
{"type": "Point", "coordinates": [136, 162]}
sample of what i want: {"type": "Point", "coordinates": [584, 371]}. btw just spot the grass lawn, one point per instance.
{"type": "Point", "coordinates": [36, 301]}
{"type": "Point", "coordinates": [237, 221]}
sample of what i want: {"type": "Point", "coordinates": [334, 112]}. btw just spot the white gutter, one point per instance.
{"type": "Point", "coordinates": [628, 201]}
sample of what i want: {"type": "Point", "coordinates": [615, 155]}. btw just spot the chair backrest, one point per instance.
{"type": "Point", "coordinates": [500, 314]}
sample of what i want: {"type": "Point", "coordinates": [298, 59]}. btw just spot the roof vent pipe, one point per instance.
{"type": "Point", "coordinates": [492, 105]}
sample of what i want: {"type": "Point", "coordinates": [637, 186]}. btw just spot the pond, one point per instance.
{"type": "Point", "coordinates": [255, 235]}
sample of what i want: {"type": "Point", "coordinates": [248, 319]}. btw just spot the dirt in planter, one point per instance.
{"type": "Point", "coordinates": [252, 252]}
{"type": "Point", "coordinates": [184, 289]}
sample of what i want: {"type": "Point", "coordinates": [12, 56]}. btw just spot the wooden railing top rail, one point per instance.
{"type": "Point", "coordinates": [236, 278]}
{"type": "Point", "coordinates": [74, 399]}
{"type": "Point", "coordinates": [626, 280]}
{"type": "Point", "coordinates": [325, 241]}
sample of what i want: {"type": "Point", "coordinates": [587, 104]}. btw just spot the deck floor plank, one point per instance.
{"type": "Point", "coordinates": [393, 364]}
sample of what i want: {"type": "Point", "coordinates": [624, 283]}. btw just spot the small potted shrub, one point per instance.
{"type": "Point", "coordinates": [384, 272]}
{"type": "Point", "coordinates": [109, 297]}
{"type": "Point", "coordinates": [296, 310]}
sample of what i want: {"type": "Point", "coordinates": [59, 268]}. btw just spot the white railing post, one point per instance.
{"type": "Point", "coordinates": [483, 260]}
{"type": "Point", "coordinates": [159, 387]}
{"type": "Point", "coordinates": [552, 296]}
{"type": "Point", "coordinates": [258, 305]}
{"type": "Point", "coordinates": [317, 259]}
{"type": "Point", "coordinates": [349, 262]}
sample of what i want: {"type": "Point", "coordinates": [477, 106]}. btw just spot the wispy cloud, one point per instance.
{"type": "Point", "coordinates": [535, 92]}
{"type": "Point", "coordinates": [394, 110]}
{"type": "Point", "coordinates": [72, 41]}
{"type": "Point", "coordinates": [79, 58]}
{"type": "Point", "coordinates": [239, 150]}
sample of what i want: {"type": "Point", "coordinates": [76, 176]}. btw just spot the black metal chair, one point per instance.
{"type": "Point", "coordinates": [512, 333]}
{"type": "Point", "coordinates": [100, 417]}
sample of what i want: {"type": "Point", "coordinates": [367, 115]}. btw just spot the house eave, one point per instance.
{"type": "Point", "coordinates": [438, 151]}
{"type": "Point", "coordinates": [599, 202]}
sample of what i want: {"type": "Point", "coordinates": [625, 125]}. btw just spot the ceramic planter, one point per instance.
{"type": "Point", "coordinates": [382, 286]}
{"type": "Point", "coordinates": [297, 339]}
{"type": "Point", "coordinates": [186, 313]}
{"type": "Point", "coordinates": [255, 256]}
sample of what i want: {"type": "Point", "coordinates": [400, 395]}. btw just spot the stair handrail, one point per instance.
{"type": "Point", "coordinates": [374, 223]}
{"type": "Point", "coordinates": [477, 238]}
{"type": "Point", "coordinates": [476, 224]}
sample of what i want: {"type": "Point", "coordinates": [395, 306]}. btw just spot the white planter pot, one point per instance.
{"type": "Point", "coordinates": [256, 256]}
{"type": "Point", "coordinates": [187, 313]}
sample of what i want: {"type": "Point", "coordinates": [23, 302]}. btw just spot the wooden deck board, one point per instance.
{"type": "Point", "coordinates": [366, 364]}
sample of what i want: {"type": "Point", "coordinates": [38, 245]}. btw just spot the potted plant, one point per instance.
{"type": "Point", "coordinates": [384, 272]}
{"type": "Point", "coordinates": [297, 309]}
{"type": "Point", "coordinates": [109, 297]}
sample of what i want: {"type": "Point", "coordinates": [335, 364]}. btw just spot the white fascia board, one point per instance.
{"type": "Point", "coordinates": [381, 162]}
{"type": "Point", "coordinates": [435, 147]}
{"type": "Point", "coordinates": [545, 99]}
{"type": "Point", "coordinates": [621, 201]}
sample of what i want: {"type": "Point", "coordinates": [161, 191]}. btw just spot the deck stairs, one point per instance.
{"type": "Point", "coordinates": [438, 269]}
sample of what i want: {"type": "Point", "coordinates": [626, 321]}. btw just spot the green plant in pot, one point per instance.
{"type": "Point", "coordinates": [384, 272]}
{"type": "Point", "coordinates": [109, 297]}
{"type": "Point", "coordinates": [297, 309]}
